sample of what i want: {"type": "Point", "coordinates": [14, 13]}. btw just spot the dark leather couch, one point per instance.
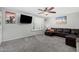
{"type": "Point", "coordinates": [62, 32]}
{"type": "Point", "coordinates": [70, 35]}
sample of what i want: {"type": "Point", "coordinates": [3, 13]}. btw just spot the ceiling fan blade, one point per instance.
{"type": "Point", "coordinates": [45, 9]}
{"type": "Point", "coordinates": [51, 8]}
{"type": "Point", "coordinates": [52, 12]}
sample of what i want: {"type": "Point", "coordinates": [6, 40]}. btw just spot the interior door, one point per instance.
{"type": "Point", "coordinates": [0, 27]}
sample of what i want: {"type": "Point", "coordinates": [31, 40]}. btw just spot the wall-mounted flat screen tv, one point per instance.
{"type": "Point", "coordinates": [25, 19]}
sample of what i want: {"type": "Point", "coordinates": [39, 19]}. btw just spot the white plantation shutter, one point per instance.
{"type": "Point", "coordinates": [38, 23]}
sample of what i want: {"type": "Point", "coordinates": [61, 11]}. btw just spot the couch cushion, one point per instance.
{"type": "Point", "coordinates": [66, 31]}
{"type": "Point", "coordinates": [59, 30]}
{"type": "Point", "coordinates": [71, 36]}
{"type": "Point", "coordinates": [75, 31]}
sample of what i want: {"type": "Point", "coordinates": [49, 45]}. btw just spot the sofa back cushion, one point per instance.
{"type": "Point", "coordinates": [75, 31]}
{"type": "Point", "coordinates": [59, 30]}
{"type": "Point", "coordinates": [66, 31]}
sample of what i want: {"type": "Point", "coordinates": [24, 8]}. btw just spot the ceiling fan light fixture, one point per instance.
{"type": "Point", "coordinates": [46, 13]}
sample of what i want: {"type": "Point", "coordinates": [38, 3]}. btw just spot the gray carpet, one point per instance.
{"type": "Point", "coordinates": [38, 43]}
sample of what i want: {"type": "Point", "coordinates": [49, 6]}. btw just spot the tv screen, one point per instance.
{"type": "Point", "coordinates": [25, 19]}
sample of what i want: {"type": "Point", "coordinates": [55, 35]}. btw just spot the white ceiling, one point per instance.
{"type": "Point", "coordinates": [59, 10]}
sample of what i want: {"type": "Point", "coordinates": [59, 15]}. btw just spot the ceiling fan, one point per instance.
{"type": "Point", "coordinates": [47, 10]}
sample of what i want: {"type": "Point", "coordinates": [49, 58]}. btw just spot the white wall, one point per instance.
{"type": "Point", "coordinates": [72, 21]}
{"type": "Point", "coordinates": [15, 31]}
